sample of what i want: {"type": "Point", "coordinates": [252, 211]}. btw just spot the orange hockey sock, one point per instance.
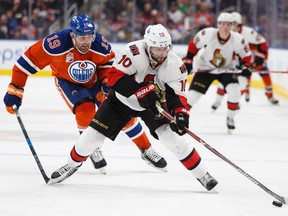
{"type": "Point", "coordinates": [135, 131]}
{"type": "Point", "coordinates": [84, 114]}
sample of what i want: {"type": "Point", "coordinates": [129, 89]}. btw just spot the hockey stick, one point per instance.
{"type": "Point", "coordinates": [282, 199]}
{"type": "Point", "coordinates": [239, 71]}
{"type": "Point", "coordinates": [46, 178]}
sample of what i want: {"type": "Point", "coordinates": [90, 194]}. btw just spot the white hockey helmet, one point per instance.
{"type": "Point", "coordinates": [157, 36]}
{"type": "Point", "coordinates": [237, 18]}
{"type": "Point", "coordinates": [224, 17]}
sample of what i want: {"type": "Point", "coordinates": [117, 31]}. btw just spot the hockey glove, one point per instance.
{"type": "Point", "coordinates": [188, 64]}
{"type": "Point", "coordinates": [13, 96]}
{"type": "Point", "coordinates": [258, 63]}
{"type": "Point", "coordinates": [105, 88]}
{"type": "Point", "coordinates": [181, 122]}
{"type": "Point", "coordinates": [246, 72]}
{"type": "Point", "coordinates": [147, 97]}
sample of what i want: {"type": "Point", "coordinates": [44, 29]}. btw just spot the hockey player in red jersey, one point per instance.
{"type": "Point", "coordinates": [259, 48]}
{"type": "Point", "coordinates": [219, 47]}
{"type": "Point", "coordinates": [80, 59]}
{"type": "Point", "coordinates": [147, 72]}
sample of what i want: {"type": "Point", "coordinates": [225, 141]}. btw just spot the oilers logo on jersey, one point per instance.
{"type": "Point", "coordinates": [82, 71]}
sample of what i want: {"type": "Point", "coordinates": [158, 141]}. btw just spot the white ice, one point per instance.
{"type": "Point", "coordinates": [259, 145]}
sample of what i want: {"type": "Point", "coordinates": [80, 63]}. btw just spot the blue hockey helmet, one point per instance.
{"type": "Point", "coordinates": [82, 25]}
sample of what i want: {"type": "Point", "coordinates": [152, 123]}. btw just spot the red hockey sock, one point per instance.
{"type": "Point", "coordinates": [192, 160]}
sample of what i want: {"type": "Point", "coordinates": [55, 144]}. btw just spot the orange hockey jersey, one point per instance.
{"type": "Point", "coordinates": [66, 62]}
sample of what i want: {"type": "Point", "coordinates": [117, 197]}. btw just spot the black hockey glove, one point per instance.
{"type": "Point", "coordinates": [188, 62]}
{"type": "Point", "coordinates": [181, 116]}
{"type": "Point", "coordinates": [258, 61]}
{"type": "Point", "coordinates": [246, 72]}
{"type": "Point", "coordinates": [13, 96]}
{"type": "Point", "coordinates": [147, 97]}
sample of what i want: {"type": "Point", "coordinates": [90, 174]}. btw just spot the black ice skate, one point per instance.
{"type": "Point", "coordinates": [230, 124]}
{"type": "Point", "coordinates": [153, 159]}
{"type": "Point", "coordinates": [208, 181]}
{"type": "Point", "coordinates": [215, 105]}
{"type": "Point", "coordinates": [247, 97]}
{"type": "Point", "coordinates": [273, 100]}
{"type": "Point", "coordinates": [62, 173]}
{"type": "Point", "coordinates": [98, 160]}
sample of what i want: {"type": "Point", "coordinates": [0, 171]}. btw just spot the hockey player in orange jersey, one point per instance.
{"type": "Point", "coordinates": [80, 59]}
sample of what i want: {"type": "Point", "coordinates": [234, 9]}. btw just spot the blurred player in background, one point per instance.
{"type": "Point", "coordinates": [80, 59]}
{"type": "Point", "coordinates": [259, 48]}
{"type": "Point", "coordinates": [147, 73]}
{"type": "Point", "coordinates": [219, 47]}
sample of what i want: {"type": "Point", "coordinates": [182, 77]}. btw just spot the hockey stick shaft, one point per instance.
{"type": "Point", "coordinates": [239, 71]}
{"type": "Point", "coordinates": [46, 178]}
{"type": "Point", "coordinates": [283, 200]}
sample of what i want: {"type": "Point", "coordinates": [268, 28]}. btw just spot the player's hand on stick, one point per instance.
{"type": "Point", "coordinates": [246, 71]}
{"type": "Point", "coordinates": [181, 122]}
{"type": "Point", "coordinates": [105, 88]}
{"type": "Point", "coordinates": [147, 97]}
{"type": "Point", "coordinates": [13, 96]}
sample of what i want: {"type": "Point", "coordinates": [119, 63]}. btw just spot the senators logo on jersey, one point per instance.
{"type": "Point", "coordinates": [218, 60]}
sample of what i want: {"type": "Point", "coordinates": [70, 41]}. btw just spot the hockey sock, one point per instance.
{"type": "Point", "coordinates": [83, 114]}
{"type": "Point", "coordinates": [268, 85]}
{"type": "Point", "coordinates": [193, 163]}
{"type": "Point", "coordinates": [135, 131]}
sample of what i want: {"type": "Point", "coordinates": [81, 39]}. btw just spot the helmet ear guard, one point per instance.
{"type": "Point", "coordinates": [82, 25]}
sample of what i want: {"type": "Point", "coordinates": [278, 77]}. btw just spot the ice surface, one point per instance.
{"type": "Point", "coordinates": [259, 145]}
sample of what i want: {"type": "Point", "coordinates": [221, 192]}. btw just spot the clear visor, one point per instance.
{"type": "Point", "coordinates": [84, 38]}
{"type": "Point", "coordinates": [159, 50]}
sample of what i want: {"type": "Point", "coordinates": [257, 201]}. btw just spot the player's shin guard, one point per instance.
{"type": "Point", "coordinates": [86, 144]}
{"type": "Point", "coordinates": [233, 98]}
{"type": "Point", "coordinates": [187, 155]}
{"type": "Point", "coordinates": [192, 98]}
{"type": "Point", "coordinates": [219, 97]}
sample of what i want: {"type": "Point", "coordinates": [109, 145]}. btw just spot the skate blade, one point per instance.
{"type": "Point", "coordinates": [158, 168]}
{"type": "Point", "coordinates": [230, 131]}
{"type": "Point", "coordinates": [102, 170]}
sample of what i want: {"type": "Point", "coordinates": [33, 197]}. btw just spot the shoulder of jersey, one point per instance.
{"type": "Point", "coordinates": [175, 63]}
{"type": "Point", "coordinates": [207, 31]}
{"type": "Point", "coordinates": [58, 43]}
{"type": "Point", "coordinates": [135, 49]}
{"type": "Point", "coordinates": [101, 44]}
{"type": "Point", "coordinates": [237, 36]}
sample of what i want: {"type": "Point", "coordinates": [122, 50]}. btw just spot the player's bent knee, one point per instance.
{"type": "Point", "coordinates": [131, 123]}
{"type": "Point", "coordinates": [89, 140]}
{"type": "Point", "coordinates": [84, 114]}
{"type": "Point", "coordinates": [174, 142]}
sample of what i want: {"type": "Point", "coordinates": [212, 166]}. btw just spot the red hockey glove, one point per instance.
{"type": "Point", "coordinates": [147, 97]}
{"type": "Point", "coordinates": [13, 96]}
{"type": "Point", "coordinates": [181, 121]}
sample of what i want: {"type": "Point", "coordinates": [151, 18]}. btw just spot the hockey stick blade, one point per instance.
{"type": "Point", "coordinates": [46, 178]}
{"type": "Point", "coordinates": [282, 199]}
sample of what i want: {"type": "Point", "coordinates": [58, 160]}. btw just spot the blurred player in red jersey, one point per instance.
{"type": "Point", "coordinates": [219, 47]}
{"type": "Point", "coordinates": [80, 59]}
{"type": "Point", "coordinates": [259, 48]}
